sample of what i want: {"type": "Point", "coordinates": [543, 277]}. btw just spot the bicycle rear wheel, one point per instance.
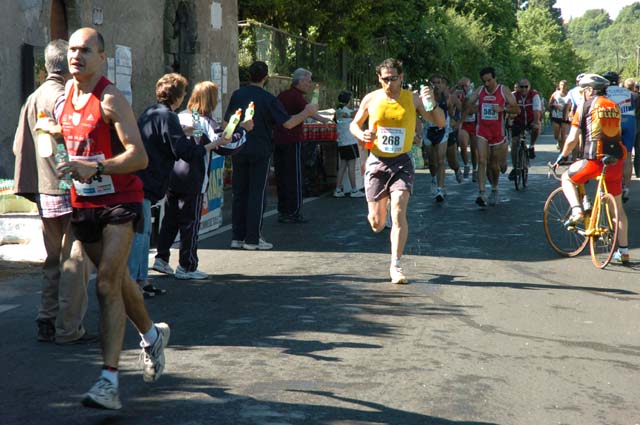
{"type": "Point", "coordinates": [564, 241]}
{"type": "Point", "coordinates": [517, 167]}
{"type": "Point", "coordinates": [525, 169]}
{"type": "Point", "coordinates": [602, 243]}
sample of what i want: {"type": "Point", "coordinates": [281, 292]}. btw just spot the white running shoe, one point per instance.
{"type": "Point", "coordinates": [357, 194]}
{"type": "Point", "coordinates": [439, 195]}
{"type": "Point", "coordinates": [103, 395]}
{"type": "Point", "coordinates": [236, 244]}
{"type": "Point", "coordinates": [194, 275]}
{"type": "Point", "coordinates": [467, 168]}
{"type": "Point", "coordinates": [262, 245]}
{"type": "Point", "coordinates": [153, 356]}
{"type": "Point", "coordinates": [338, 193]}
{"type": "Point", "coordinates": [493, 197]}
{"type": "Point", "coordinates": [162, 266]}
{"type": "Point", "coordinates": [397, 275]}
{"type": "Point", "coordinates": [459, 178]}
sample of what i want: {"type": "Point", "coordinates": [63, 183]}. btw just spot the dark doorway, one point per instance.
{"type": "Point", "coordinates": [59, 22]}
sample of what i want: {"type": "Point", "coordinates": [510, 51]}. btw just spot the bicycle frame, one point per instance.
{"type": "Point", "coordinates": [599, 230]}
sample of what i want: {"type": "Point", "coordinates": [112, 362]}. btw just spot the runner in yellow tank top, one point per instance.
{"type": "Point", "coordinates": [395, 123]}
{"type": "Point", "coordinates": [389, 170]}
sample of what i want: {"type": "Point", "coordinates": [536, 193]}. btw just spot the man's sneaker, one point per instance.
{"type": "Point", "coordinates": [625, 194]}
{"type": "Point", "coordinates": [162, 266]}
{"type": "Point", "coordinates": [465, 173]}
{"type": "Point", "coordinates": [46, 330]}
{"type": "Point", "coordinates": [397, 275]}
{"type": "Point", "coordinates": [262, 245]}
{"type": "Point", "coordinates": [194, 275]}
{"type": "Point", "coordinates": [575, 218]}
{"type": "Point", "coordinates": [236, 244]}
{"type": "Point", "coordinates": [532, 152]}
{"type": "Point", "coordinates": [291, 218]}
{"type": "Point", "coordinates": [338, 193]}
{"type": "Point", "coordinates": [103, 395]}
{"type": "Point", "coordinates": [493, 198]}
{"type": "Point", "coordinates": [474, 176]}
{"type": "Point", "coordinates": [153, 356]}
{"type": "Point", "coordinates": [623, 259]}
{"type": "Point", "coordinates": [439, 195]}
{"type": "Point", "coordinates": [481, 201]}
{"type": "Point", "coordinates": [512, 175]}
{"type": "Point", "coordinates": [458, 175]}
{"type": "Point", "coordinates": [357, 194]}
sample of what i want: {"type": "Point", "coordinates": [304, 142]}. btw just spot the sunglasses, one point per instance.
{"type": "Point", "coordinates": [524, 87]}
{"type": "Point", "coordinates": [387, 79]}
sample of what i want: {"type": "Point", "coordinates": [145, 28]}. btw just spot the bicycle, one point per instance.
{"type": "Point", "coordinates": [521, 165]}
{"type": "Point", "coordinates": [599, 228]}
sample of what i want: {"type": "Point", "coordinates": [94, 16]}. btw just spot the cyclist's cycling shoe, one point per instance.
{"type": "Point", "coordinates": [532, 153]}
{"type": "Point", "coordinates": [574, 220]}
{"type": "Point", "coordinates": [512, 175]}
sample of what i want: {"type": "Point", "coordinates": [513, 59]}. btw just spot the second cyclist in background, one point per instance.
{"type": "Point", "coordinates": [529, 118]}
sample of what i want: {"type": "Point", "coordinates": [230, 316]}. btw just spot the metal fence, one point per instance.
{"type": "Point", "coordinates": [284, 52]}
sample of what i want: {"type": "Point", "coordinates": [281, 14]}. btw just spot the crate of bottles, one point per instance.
{"type": "Point", "coordinates": [320, 132]}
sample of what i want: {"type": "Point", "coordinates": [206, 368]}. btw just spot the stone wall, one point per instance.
{"type": "Point", "coordinates": [205, 33]}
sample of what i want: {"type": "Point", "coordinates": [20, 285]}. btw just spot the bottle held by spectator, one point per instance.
{"type": "Point", "coordinates": [44, 140]}
{"type": "Point", "coordinates": [233, 123]}
{"type": "Point", "coordinates": [249, 112]}
{"type": "Point", "coordinates": [315, 97]}
{"type": "Point", "coordinates": [197, 126]}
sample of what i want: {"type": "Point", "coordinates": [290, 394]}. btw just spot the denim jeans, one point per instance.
{"type": "Point", "coordinates": [138, 262]}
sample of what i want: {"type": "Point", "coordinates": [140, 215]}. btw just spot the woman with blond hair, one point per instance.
{"type": "Point", "coordinates": [189, 180]}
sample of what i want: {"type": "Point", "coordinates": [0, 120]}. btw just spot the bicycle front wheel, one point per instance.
{"type": "Point", "coordinates": [567, 242]}
{"type": "Point", "coordinates": [602, 242]}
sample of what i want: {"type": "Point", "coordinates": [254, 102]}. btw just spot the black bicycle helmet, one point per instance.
{"type": "Point", "coordinates": [595, 81]}
{"type": "Point", "coordinates": [613, 77]}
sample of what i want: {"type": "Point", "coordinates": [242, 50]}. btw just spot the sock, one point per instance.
{"type": "Point", "coordinates": [395, 262]}
{"type": "Point", "coordinates": [623, 249]}
{"type": "Point", "coordinates": [150, 336]}
{"type": "Point", "coordinates": [110, 374]}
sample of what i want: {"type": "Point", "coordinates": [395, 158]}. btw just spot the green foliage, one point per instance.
{"type": "Point", "coordinates": [547, 56]}
{"type": "Point", "coordinates": [453, 37]}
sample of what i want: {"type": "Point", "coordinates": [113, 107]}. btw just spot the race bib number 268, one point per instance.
{"type": "Point", "coordinates": [391, 139]}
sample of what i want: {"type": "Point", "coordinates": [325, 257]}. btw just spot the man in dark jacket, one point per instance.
{"type": "Point", "coordinates": [251, 165]}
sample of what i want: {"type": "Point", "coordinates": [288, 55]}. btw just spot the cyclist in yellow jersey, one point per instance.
{"type": "Point", "coordinates": [391, 113]}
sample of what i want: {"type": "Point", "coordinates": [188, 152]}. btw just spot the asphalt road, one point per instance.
{"type": "Point", "coordinates": [494, 328]}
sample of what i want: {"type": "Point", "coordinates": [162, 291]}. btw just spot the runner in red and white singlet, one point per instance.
{"type": "Point", "coordinates": [493, 101]}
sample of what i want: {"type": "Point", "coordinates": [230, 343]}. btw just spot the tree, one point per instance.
{"type": "Point", "coordinates": [547, 55]}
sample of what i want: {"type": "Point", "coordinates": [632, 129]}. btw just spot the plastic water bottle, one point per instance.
{"type": "Point", "coordinates": [316, 94]}
{"type": "Point", "coordinates": [197, 126]}
{"type": "Point", "coordinates": [249, 112]}
{"type": "Point", "coordinates": [427, 102]}
{"type": "Point", "coordinates": [233, 123]}
{"type": "Point", "coordinates": [62, 156]}
{"type": "Point", "coordinates": [44, 141]}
